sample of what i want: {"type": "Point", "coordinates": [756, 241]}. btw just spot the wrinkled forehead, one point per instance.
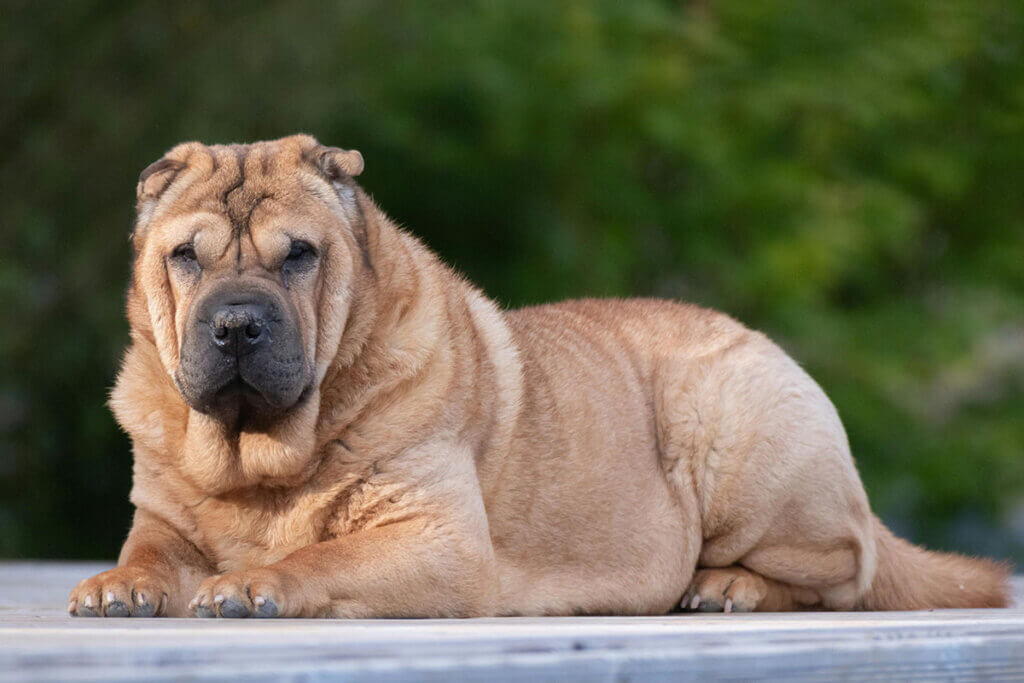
{"type": "Point", "coordinates": [235, 179]}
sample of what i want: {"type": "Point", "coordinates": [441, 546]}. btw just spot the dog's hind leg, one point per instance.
{"type": "Point", "coordinates": [784, 517]}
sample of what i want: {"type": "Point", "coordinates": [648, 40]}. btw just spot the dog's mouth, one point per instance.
{"type": "Point", "coordinates": [243, 405]}
{"type": "Point", "coordinates": [238, 390]}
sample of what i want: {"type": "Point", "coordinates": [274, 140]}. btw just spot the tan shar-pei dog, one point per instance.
{"type": "Point", "coordinates": [328, 421]}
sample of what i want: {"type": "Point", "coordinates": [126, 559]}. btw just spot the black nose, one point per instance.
{"type": "Point", "coordinates": [239, 328]}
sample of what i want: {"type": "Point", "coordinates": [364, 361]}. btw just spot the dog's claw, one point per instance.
{"type": "Point", "coordinates": [266, 609]}
{"type": "Point", "coordinates": [86, 608]}
{"type": "Point", "coordinates": [143, 608]}
{"type": "Point", "coordinates": [204, 612]}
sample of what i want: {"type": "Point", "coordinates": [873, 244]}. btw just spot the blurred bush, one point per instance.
{"type": "Point", "coordinates": [845, 176]}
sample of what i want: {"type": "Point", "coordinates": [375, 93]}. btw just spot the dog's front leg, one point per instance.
{"type": "Point", "coordinates": [422, 549]}
{"type": "Point", "coordinates": [420, 567]}
{"type": "Point", "coordinates": [155, 575]}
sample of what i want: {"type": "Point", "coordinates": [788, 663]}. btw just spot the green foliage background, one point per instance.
{"type": "Point", "coordinates": [844, 176]}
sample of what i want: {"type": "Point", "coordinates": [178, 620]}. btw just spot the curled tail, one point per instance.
{"type": "Point", "coordinates": [908, 577]}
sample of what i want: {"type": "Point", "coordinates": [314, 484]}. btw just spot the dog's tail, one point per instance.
{"type": "Point", "coordinates": [908, 577]}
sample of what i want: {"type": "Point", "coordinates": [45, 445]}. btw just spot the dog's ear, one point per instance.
{"type": "Point", "coordinates": [156, 177]}
{"type": "Point", "coordinates": [153, 182]}
{"type": "Point", "coordinates": [337, 163]}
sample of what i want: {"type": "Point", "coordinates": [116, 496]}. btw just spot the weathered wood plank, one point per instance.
{"type": "Point", "coordinates": [39, 642]}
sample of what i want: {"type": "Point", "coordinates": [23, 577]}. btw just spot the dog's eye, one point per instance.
{"type": "Point", "coordinates": [184, 252]}
{"type": "Point", "coordinates": [300, 250]}
{"type": "Point", "coordinates": [300, 261]}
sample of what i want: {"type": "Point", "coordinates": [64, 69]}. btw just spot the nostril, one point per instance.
{"type": "Point", "coordinates": [220, 332]}
{"type": "Point", "coordinates": [254, 330]}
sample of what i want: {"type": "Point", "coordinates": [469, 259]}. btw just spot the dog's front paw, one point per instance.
{"type": "Point", "coordinates": [264, 592]}
{"type": "Point", "coordinates": [120, 592]}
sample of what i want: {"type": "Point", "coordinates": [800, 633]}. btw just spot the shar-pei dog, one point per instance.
{"type": "Point", "coordinates": [328, 421]}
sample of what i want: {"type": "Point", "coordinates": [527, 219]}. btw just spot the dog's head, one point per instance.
{"type": "Point", "coordinates": [244, 257]}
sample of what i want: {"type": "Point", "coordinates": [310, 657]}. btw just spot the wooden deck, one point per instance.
{"type": "Point", "coordinates": [38, 641]}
